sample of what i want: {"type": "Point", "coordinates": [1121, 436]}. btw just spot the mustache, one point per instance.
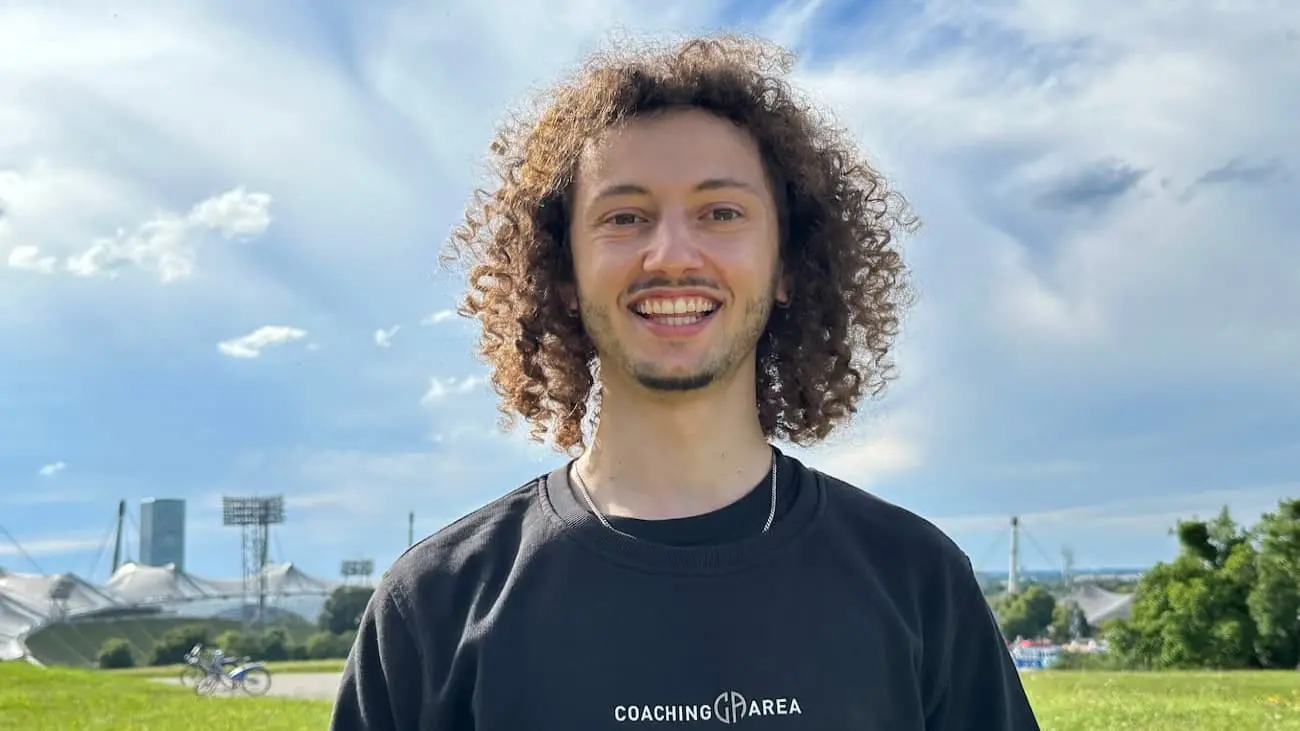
{"type": "Point", "coordinates": [657, 282]}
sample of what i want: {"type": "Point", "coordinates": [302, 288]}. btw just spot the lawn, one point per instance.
{"type": "Point", "coordinates": [1096, 701]}
{"type": "Point", "coordinates": [60, 699]}
{"type": "Point", "coordinates": [79, 700]}
{"type": "Point", "coordinates": [292, 666]}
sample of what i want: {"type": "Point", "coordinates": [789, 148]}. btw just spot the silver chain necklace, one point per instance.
{"type": "Point", "coordinates": [586, 496]}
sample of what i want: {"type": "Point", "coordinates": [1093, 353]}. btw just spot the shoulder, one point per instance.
{"type": "Point", "coordinates": [473, 548]}
{"type": "Point", "coordinates": [912, 543]}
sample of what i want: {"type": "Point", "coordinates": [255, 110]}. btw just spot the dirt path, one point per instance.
{"type": "Point", "coordinates": [321, 686]}
{"type": "Point", "coordinates": [317, 686]}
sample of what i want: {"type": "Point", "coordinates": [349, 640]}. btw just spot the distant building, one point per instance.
{"type": "Point", "coordinates": [162, 532]}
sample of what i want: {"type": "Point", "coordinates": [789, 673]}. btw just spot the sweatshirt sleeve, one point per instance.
{"type": "Point", "coordinates": [978, 687]}
{"type": "Point", "coordinates": [382, 678]}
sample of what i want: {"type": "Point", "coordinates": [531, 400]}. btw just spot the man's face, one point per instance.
{"type": "Point", "coordinates": [675, 247]}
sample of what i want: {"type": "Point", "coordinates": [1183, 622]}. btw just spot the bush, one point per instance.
{"type": "Point", "coordinates": [343, 610]}
{"type": "Point", "coordinates": [175, 642]}
{"type": "Point", "coordinates": [276, 645]}
{"type": "Point", "coordinates": [1087, 661]}
{"type": "Point", "coordinates": [329, 646]}
{"type": "Point", "coordinates": [115, 653]}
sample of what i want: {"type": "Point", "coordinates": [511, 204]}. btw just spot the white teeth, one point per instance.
{"type": "Point", "coordinates": [676, 306]}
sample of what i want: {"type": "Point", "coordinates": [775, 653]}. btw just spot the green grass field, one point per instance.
{"type": "Point", "coordinates": [295, 666]}
{"type": "Point", "coordinates": [59, 699]}
{"type": "Point", "coordinates": [80, 700]}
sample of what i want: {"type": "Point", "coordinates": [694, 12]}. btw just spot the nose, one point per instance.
{"type": "Point", "coordinates": [673, 247]}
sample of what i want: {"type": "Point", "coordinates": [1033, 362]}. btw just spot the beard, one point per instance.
{"type": "Point", "coordinates": [726, 357]}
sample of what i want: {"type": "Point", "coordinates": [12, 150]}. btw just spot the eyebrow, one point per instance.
{"type": "Point", "coordinates": [621, 189]}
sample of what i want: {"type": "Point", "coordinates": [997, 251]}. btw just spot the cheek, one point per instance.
{"type": "Point", "coordinates": [746, 266]}
{"type": "Point", "coordinates": [598, 279]}
{"type": "Point", "coordinates": [607, 267]}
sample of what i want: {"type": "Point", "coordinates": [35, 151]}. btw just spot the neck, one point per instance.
{"type": "Point", "coordinates": [658, 456]}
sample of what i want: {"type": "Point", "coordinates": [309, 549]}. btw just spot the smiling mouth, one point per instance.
{"type": "Point", "coordinates": [677, 311]}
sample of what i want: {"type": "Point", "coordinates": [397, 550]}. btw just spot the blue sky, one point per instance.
{"type": "Point", "coordinates": [1107, 336]}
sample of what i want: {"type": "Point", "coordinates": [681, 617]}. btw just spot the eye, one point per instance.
{"type": "Point", "coordinates": [623, 219]}
{"type": "Point", "coordinates": [724, 214]}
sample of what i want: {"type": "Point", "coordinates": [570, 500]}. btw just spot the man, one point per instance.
{"type": "Point", "coordinates": [679, 264]}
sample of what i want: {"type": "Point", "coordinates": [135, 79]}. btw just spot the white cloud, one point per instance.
{"type": "Point", "coordinates": [166, 246]}
{"type": "Point", "coordinates": [52, 469]}
{"type": "Point", "coordinates": [1055, 210]}
{"type": "Point", "coordinates": [1139, 515]}
{"type": "Point", "coordinates": [50, 546]}
{"type": "Point", "coordinates": [384, 338]}
{"type": "Point", "coordinates": [30, 258]}
{"type": "Point", "coordinates": [868, 457]}
{"type": "Point", "coordinates": [434, 318]}
{"type": "Point", "coordinates": [252, 344]}
{"type": "Point", "coordinates": [343, 500]}
{"type": "Point", "coordinates": [441, 388]}
{"type": "Point", "coordinates": [234, 213]}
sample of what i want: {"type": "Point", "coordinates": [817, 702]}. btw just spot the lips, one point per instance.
{"type": "Point", "coordinates": [685, 305]}
{"type": "Point", "coordinates": [676, 315]}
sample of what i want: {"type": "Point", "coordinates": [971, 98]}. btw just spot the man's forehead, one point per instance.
{"type": "Point", "coordinates": [612, 160]}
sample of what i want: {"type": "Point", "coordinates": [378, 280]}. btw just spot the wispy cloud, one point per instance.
{"type": "Point", "coordinates": [384, 338]}
{"type": "Point", "coordinates": [47, 496]}
{"type": "Point", "coordinates": [441, 388]}
{"type": "Point", "coordinates": [49, 546]}
{"type": "Point", "coordinates": [252, 344]}
{"type": "Point", "coordinates": [440, 316]}
{"type": "Point", "coordinates": [165, 246]}
{"type": "Point", "coordinates": [30, 258]}
{"type": "Point", "coordinates": [52, 469]}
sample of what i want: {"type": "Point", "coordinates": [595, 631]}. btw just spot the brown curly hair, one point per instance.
{"type": "Point", "coordinates": [839, 222]}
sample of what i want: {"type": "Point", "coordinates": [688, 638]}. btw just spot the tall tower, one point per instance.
{"type": "Point", "coordinates": [1013, 572]}
{"type": "Point", "coordinates": [1067, 568]}
{"type": "Point", "coordinates": [254, 517]}
{"type": "Point", "coordinates": [162, 532]}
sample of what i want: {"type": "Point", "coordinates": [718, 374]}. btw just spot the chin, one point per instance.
{"type": "Point", "coordinates": [660, 376]}
{"type": "Point", "coordinates": [675, 382]}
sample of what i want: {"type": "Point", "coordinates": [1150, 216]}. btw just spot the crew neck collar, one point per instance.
{"type": "Point", "coordinates": [579, 524]}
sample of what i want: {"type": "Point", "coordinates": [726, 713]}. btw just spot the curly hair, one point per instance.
{"type": "Point", "coordinates": [839, 225]}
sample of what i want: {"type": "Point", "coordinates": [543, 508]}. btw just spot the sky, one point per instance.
{"type": "Point", "coordinates": [219, 229]}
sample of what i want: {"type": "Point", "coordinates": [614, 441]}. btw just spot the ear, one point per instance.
{"type": "Point", "coordinates": [783, 289]}
{"type": "Point", "coordinates": [569, 294]}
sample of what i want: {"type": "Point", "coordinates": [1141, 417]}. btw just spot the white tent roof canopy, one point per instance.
{"type": "Point", "coordinates": [28, 601]}
{"type": "Point", "coordinates": [1099, 605]}
{"type": "Point", "coordinates": [136, 583]}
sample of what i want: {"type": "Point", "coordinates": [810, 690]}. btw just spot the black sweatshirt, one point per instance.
{"type": "Point", "coordinates": [849, 614]}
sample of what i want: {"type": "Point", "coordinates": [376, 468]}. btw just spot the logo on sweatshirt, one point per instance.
{"type": "Point", "coordinates": [730, 707]}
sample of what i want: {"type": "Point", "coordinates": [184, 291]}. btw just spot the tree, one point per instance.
{"type": "Point", "coordinates": [1274, 601]}
{"type": "Point", "coordinates": [1212, 541]}
{"type": "Point", "coordinates": [1229, 600]}
{"type": "Point", "coordinates": [1190, 614]}
{"type": "Point", "coordinates": [1027, 614]}
{"type": "Point", "coordinates": [1068, 623]}
{"type": "Point", "coordinates": [343, 609]}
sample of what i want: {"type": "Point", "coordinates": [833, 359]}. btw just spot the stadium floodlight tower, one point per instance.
{"type": "Point", "coordinates": [361, 569]}
{"type": "Point", "coordinates": [59, 594]}
{"type": "Point", "coordinates": [254, 517]}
